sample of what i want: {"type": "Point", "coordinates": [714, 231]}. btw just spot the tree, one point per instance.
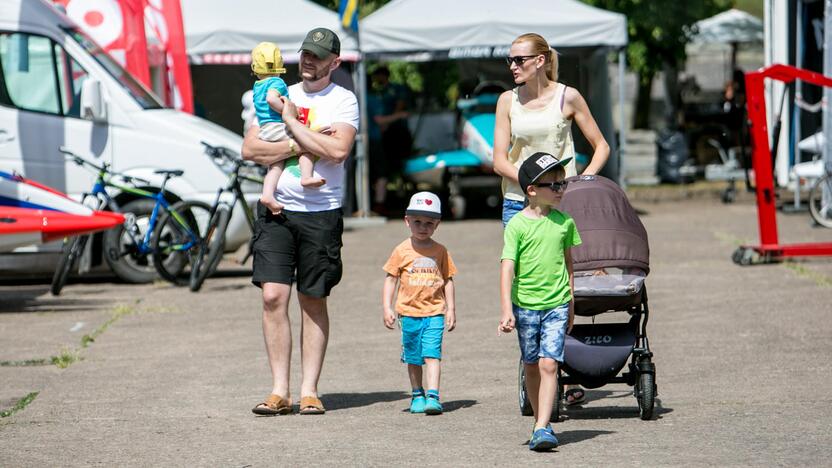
{"type": "Point", "coordinates": [657, 31]}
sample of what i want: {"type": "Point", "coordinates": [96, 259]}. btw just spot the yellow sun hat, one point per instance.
{"type": "Point", "coordinates": [266, 59]}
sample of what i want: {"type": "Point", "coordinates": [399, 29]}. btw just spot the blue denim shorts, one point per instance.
{"type": "Point", "coordinates": [541, 332]}
{"type": "Point", "coordinates": [421, 338]}
{"type": "Point", "coordinates": [511, 208]}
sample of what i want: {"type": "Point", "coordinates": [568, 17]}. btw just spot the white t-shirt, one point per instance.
{"type": "Point", "coordinates": [331, 105]}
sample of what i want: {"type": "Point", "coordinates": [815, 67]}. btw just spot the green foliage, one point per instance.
{"type": "Point", "coordinates": [755, 7]}
{"type": "Point", "coordinates": [657, 28]}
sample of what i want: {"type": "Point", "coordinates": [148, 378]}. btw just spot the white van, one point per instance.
{"type": "Point", "coordinates": [48, 67]}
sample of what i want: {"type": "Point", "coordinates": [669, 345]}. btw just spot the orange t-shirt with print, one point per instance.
{"type": "Point", "coordinates": [422, 274]}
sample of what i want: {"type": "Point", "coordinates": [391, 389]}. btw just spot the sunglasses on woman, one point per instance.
{"type": "Point", "coordinates": [519, 60]}
{"type": "Point", "coordinates": [554, 186]}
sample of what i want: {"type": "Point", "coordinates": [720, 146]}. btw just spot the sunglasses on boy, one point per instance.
{"type": "Point", "coordinates": [519, 60]}
{"type": "Point", "coordinates": [554, 186]}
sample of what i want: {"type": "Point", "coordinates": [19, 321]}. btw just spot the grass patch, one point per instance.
{"type": "Point", "coordinates": [26, 363]}
{"type": "Point", "coordinates": [22, 403]}
{"type": "Point", "coordinates": [118, 312]}
{"type": "Point", "coordinates": [819, 278]}
{"type": "Point", "coordinates": [66, 358]}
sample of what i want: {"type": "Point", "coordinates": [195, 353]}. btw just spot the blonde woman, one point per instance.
{"type": "Point", "coordinates": [535, 116]}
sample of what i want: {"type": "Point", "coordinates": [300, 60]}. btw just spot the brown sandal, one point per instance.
{"type": "Point", "coordinates": [311, 405]}
{"type": "Point", "coordinates": [274, 405]}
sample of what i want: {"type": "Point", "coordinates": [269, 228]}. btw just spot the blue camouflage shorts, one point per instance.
{"type": "Point", "coordinates": [541, 332]}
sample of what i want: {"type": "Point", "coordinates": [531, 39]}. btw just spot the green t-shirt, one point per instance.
{"type": "Point", "coordinates": [537, 246]}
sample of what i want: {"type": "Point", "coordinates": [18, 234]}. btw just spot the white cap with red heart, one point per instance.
{"type": "Point", "coordinates": [424, 204]}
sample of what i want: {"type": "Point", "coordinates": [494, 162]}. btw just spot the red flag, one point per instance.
{"type": "Point", "coordinates": [118, 27]}
{"type": "Point", "coordinates": [164, 21]}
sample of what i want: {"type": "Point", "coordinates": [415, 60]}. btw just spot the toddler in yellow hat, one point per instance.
{"type": "Point", "coordinates": [267, 65]}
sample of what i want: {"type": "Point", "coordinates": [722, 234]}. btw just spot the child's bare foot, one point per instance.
{"type": "Point", "coordinates": [272, 204]}
{"type": "Point", "coordinates": [312, 181]}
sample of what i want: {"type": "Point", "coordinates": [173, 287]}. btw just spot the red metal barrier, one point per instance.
{"type": "Point", "coordinates": [770, 250]}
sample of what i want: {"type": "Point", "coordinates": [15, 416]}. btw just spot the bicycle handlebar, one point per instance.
{"type": "Point", "coordinates": [222, 152]}
{"type": "Point", "coordinates": [105, 168]}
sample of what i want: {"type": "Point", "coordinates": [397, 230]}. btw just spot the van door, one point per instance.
{"type": "Point", "coordinates": [40, 90]}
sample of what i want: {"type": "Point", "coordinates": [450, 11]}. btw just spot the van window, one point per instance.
{"type": "Point", "coordinates": [28, 68]}
{"type": "Point", "coordinates": [37, 74]}
{"type": "Point", "coordinates": [71, 77]}
{"type": "Point", "coordinates": [143, 97]}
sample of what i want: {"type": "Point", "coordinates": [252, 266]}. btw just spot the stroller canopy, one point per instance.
{"type": "Point", "coordinates": [610, 229]}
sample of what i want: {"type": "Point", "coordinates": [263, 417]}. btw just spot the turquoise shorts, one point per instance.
{"type": "Point", "coordinates": [421, 338]}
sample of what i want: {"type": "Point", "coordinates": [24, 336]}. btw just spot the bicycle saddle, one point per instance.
{"type": "Point", "coordinates": [169, 172]}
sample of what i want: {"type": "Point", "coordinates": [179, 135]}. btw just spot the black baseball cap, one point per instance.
{"type": "Point", "coordinates": [535, 166]}
{"type": "Point", "coordinates": [321, 42]}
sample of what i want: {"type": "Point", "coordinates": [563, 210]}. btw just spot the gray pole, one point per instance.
{"type": "Point", "coordinates": [827, 94]}
{"type": "Point", "coordinates": [362, 169]}
{"type": "Point", "coordinates": [622, 120]}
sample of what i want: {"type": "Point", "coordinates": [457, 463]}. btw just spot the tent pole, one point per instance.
{"type": "Point", "coordinates": [362, 169]}
{"type": "Point", "coordinates": [622, 123]}
{"type": "Point", "coordinates": [827, 97]}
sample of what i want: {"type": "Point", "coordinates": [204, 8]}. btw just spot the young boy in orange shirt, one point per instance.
{"type": "Point", "coordinates": [425, 305]}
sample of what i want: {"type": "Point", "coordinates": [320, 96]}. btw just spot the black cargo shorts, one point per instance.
{"type": "Point", "coordinates": [298, 246]}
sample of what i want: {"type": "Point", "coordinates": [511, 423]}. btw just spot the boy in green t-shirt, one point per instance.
{"type": "Point", "coordinates": [536, 285]}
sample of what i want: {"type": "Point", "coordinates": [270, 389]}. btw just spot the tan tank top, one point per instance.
{"type": "Point", "coordinates": [534, 130]}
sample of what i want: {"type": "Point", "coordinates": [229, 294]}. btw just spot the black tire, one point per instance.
{"type": "Point", "coordinates": [121, 244]}
{"type": "Point", "coordinates": [72, 251]}
{"type": "Point", "coordinates": [525, 403]}
{"type": "Point", "coordinates": [646, 394]}
{"type": "Point", "coordinates": [820, 213]}
{"type": "Point", "coordinates": [736, 257]}
{"type": "Point", "coordinates": [209, 252]}
{"type": "Point", "coordinates": [169, 236]}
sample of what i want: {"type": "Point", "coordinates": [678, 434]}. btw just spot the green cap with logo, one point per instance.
{"type": "Point", "coordinates": [321, 42]}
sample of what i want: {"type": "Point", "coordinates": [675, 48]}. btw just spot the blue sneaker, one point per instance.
{"type": "Point", "coordinates": [543, 439]}
{"type": "Point", "coordinates": [433, 406]}
{"type": "Point", "coordinates": [417, 404]}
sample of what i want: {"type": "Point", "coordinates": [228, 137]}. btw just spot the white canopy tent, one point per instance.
{"type": "Point", "coordinates": [729, 26]}
{"type": "Point", "coordinates": [224, 31]}
{"type": "Point", "coordinates": [423, 30]}
{"type": "Point", "coordinates": [480, 26]}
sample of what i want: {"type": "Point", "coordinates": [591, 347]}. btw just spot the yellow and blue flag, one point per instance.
{"type": "Point", "coordinates": [348, 12]}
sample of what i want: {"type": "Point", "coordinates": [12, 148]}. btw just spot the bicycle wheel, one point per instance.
{"type": "Point", "coordinates": [176, 238]}
{"type": "Point", "coordinates": [73, 249]}
{"type": "Point", "coordinates": [121, 244]}
{"type": "Point", "coordinates": [210, 250]}
{"type": "Point", "coordinates": [821, 212]}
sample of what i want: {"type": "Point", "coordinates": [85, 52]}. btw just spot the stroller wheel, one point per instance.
{"type": "Point", "coordinates": [645, 394]}
{"type": "Point", "coordinates": [523, 396]}
{"type": "Point", "coordinates": [525, 404]}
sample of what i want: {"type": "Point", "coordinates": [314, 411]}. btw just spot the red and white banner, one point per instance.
{"type": "Point", "coordinates": [165, 29]}
{"type": "Point", "coordinates": [118, 27]}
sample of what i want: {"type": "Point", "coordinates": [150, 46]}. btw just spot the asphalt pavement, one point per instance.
{"type": "Point", "coordinates": [154, 375]}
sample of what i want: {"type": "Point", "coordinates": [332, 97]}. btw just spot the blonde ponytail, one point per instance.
{"type": "Point", "coordinates": [552, 66]}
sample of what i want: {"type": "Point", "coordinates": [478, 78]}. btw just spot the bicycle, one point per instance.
{"type": "Point", "coordinates": [211, 249]}
{"type": "Point", "coordinates": [819, 207]}
{"type": "Point", "coordinates": [129, 249]}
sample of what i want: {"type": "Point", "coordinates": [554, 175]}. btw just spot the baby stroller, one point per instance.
{"type": "Point", "coordinates": [609, 268]}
